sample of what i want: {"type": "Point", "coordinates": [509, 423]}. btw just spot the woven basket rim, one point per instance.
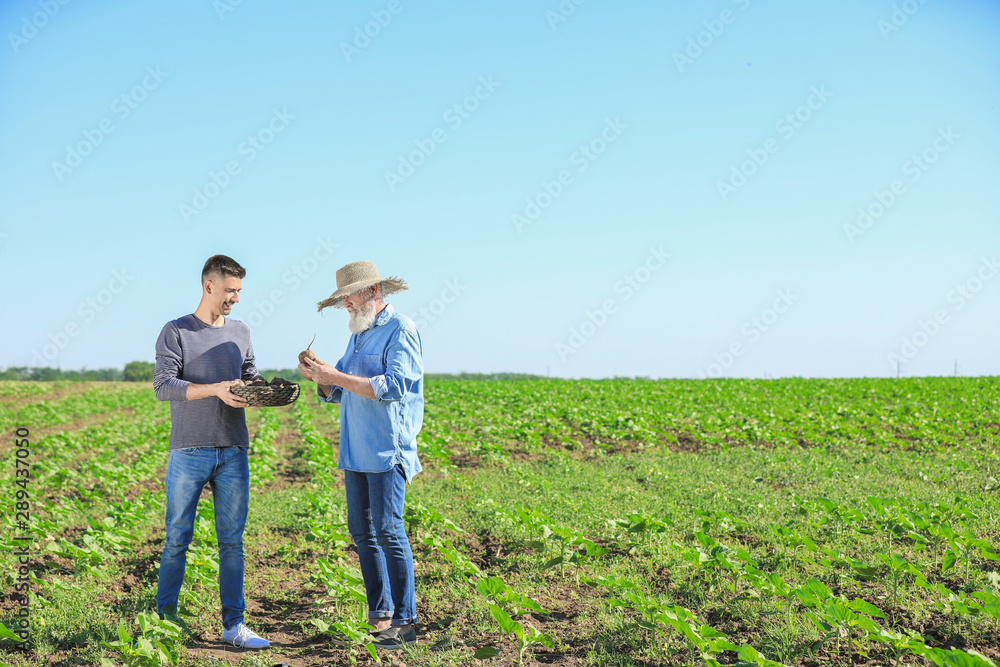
{"type": "Point", "coordinates": [268, 395]}
{"type": "Point", "coordinates": [263, 389]}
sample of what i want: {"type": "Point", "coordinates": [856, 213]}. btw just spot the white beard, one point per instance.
{"type": "Point", "coordinates": [364, 318]}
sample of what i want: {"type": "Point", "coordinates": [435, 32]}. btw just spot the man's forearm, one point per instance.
{"type": "Point", "coordinates": [354, 384]}
{"type": "Point", "coordinates": [196, 391]}
{"type": "Point", "coordinates": [221, 390]}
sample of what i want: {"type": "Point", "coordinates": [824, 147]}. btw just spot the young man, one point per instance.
{"type": "Point", "coordinates": [379, 385]}
{"type": "Point", "coordinates": [198, 358]}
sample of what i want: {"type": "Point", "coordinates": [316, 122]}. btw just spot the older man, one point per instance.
{"type": "Point", "coordinates": [379, 385]}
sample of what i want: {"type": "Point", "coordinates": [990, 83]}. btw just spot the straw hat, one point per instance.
{"type": "Point", "coordinates": [357, 276]}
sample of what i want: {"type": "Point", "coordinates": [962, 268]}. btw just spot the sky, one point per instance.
{"type": "Point", "coordinates": [733, 188]}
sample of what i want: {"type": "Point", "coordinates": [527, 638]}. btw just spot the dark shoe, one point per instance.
{"type": "Point", "coordinates": [393, 639]}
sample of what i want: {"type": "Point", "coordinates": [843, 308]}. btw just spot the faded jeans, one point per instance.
{"type": "Point", "coordinates": [226, 471]}
{"type": "Point", "coordinates": [375, 520]}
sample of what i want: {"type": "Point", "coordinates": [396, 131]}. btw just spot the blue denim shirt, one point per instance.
{"type": "Point", "coordinates": [377, 434]}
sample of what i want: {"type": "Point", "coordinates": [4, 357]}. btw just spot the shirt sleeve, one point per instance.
{"type": "Point", "coordinates": [169, 364]}
{"type": "Point", "coordinates": [403, 368]}
{"type": "Point", "coordinates": [335, 394]}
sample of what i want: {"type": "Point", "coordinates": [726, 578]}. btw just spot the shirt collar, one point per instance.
{"type": "Point", "coordinates": [384, 316]}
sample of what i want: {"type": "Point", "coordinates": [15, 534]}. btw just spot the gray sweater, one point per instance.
{"type": "Point", "coordinates": [190, 351]}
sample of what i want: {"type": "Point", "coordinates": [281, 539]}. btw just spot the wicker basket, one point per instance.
{"type": "Point", "coordinates": [268, 396]}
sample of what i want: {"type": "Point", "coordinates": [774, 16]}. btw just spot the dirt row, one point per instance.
{"type": "Point", "coordinates": [280, 606]}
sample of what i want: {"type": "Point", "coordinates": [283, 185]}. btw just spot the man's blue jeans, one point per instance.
{"type": "Point", "coordinates": [226, 471]}
{"type": "Point", "coordinates": [375, 520]}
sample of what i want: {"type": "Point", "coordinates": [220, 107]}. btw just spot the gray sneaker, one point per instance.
{"type": "Point", "coordinates": [393, 639]}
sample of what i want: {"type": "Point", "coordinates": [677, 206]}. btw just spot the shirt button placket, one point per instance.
{"type": "Point", "coordinates": [357, 346]}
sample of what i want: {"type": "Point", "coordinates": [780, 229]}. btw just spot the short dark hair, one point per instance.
{"type": "Point", "coordinates": [224, 266]}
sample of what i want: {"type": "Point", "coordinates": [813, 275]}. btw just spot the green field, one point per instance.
{"type": "Point", "coordinates": [612, 522]}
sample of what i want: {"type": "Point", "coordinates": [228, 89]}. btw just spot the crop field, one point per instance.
{"type": "Point", "coordinates": [594, 522]}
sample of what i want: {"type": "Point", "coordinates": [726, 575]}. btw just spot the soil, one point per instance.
{"type": "Point", "coordinates": [281, 613]}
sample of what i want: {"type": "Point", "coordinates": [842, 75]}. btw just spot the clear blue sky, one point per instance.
{"type": "Point", "coordinates": [642, 188]}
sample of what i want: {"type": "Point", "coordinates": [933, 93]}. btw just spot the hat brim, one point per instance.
{"type": "Point", "coordinates": [390, 285]}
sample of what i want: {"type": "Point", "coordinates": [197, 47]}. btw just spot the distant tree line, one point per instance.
{"type": "Point", "coordinates": [51, 374]}
{"type": "Point", "coordinates": [134, 371]}
{"type": "Point", "coordinates": [142, 371]}
{"type": "Point", "coordinates": [482, 376]}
